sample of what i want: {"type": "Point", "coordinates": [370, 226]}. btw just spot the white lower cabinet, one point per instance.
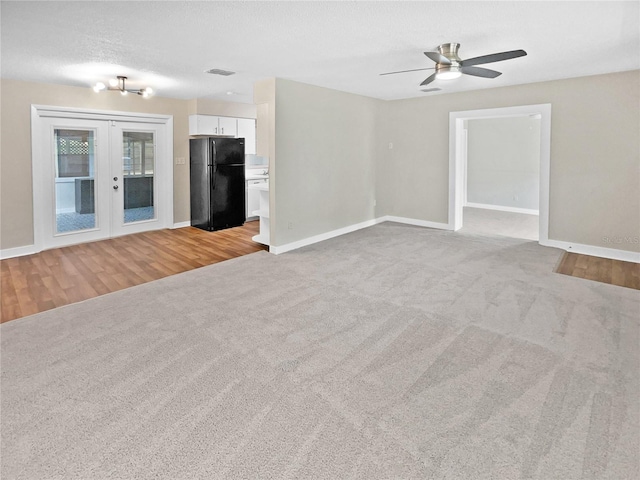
{"type": "Point", "coordinates": [253, 198]}
{"type": "Point", "coordinates": [262, 212]}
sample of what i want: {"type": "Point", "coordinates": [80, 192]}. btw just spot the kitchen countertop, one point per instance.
{"type": "Point", "coordinates": [256, 172]}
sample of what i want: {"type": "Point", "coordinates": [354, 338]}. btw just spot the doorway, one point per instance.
{"type": "Point", "coordinates": [502, 176]}
{"type": "Point", "coordinates": [458, 162]}
{"type": "Point", "coordinates": [98, 175]}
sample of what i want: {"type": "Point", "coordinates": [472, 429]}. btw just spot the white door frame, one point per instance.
{"type": "Point", "coordinates": [457, 159]}
{"type": "Point", "coordinates": [165, 184]}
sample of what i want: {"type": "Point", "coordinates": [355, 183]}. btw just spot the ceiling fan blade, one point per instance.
{"type": "Point", "coordinates": [480, 72]}
{"type": "Point", "coordinates": [438, 58]}
{"type": "Point", "coordinates": [495, 57]}
{"type": "Point", "coordinates": [428, 80]}
{"type": "Point", "coordinates": [405, 71]}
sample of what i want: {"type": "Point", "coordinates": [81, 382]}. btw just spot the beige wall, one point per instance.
{"type": "Point", "coordinates": [333, 159]}
{"type": "Point", "coordinates": [323, 175]}
{"type": "Point", "coordinates": [207, 106]}
{"type": "Point", "coordinates": [503, 161]}
{"type": "Point", "coordinates": [16, 196]}
{"type": "Point", "coordinates": [595, 155]}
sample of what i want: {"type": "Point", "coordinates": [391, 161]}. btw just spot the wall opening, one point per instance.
{"type": "Point", "coordinates": [458, 195]}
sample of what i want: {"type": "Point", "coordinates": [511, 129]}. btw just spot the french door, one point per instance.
{"type": "Point", "coordinates": [99, 178]}
{"type": "Point", "coordinates": [134, 205]}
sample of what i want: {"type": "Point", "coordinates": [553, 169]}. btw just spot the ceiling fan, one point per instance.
{"type": "Point", "coordinates": [449, 65]}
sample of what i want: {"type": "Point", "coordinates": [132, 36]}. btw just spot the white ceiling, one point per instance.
{"type": "Point", "coordinates": [168, 45]}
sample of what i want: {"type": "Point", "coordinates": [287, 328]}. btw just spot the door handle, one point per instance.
{"type": "Point", "coordinates": [115, 187]}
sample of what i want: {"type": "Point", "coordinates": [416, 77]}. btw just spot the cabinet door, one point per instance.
{"type": "Point", "coordinates": [253, 198]}
{"type": "Point", "coordinates": [247, 130]}
{"type": "Point", "coordinates": [227, 126]}
{"type": "Point", "coordinates": [203, 125]}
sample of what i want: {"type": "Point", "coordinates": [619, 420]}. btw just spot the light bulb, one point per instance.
{"type": "Point", "coordinates": [123, 92]}
{"type": "Point", "coordinates": [98, 86]}
{"type": "Point", "coordinates": [149, 90]}
{"type": "Point", "coordinates": [113, 82]}
{"type": "Point", "coordinates": [450, 75]}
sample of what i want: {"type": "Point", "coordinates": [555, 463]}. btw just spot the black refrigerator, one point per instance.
{"type": "Point", "coordinates": [217, 182]}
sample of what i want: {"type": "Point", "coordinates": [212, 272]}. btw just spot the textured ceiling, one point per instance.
{"type": "Point", "coordinates": [168, 45]}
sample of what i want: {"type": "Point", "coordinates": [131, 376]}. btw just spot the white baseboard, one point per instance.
{"type": "Point", "coordinates": [413, 221]}
{"type": "Point", "coordinates": [594, 251]}
{"type": "Point", "coordinates": [501, 208]}
{"type": "Point", "coordinates": [17, 251]}
{"type": "Point", "coordinates": [181, 225]}
{"type": "Point", "coordinates": [352, 228]}
{"type": "Point", "coordinates": [323, 236]}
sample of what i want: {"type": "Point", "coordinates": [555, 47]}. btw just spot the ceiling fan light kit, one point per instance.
{"type": "Point", "coordinates": [118, 84]}
{"type": "Point", "coordinates": [447, 72]}
{"type": "Point", "coordinates": [450, 66]}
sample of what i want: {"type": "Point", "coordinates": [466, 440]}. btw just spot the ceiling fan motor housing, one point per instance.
{"type": "Point", "coordinates": [449, 50]}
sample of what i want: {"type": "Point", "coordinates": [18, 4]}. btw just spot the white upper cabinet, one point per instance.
{"type": "Point", "coordinates": [228, 126]}
{"type": "Point", "coordinates": [212, 125]}
{"type": "Point", "coordinates": [247, 130]}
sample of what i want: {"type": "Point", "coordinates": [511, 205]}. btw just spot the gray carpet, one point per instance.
{"type": "Point", "coordinates": [495, 222]}
{"type": "Point", "coordinates": [392, 352]}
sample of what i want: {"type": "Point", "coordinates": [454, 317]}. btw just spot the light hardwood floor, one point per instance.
{"type": "Point", "coordinates": [615, 272]}
{"type": "Point", "coordinates": [57, 277]}
{"type": "Point", "coordinates": [53, 278]}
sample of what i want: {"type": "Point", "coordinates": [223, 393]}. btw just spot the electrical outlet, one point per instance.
{"type": "Point", "coordinates": [180, 161]}
{"type": "Point", "coordinates": [290, 225]}
{"type": "Point", "coordinates": [390, 146]}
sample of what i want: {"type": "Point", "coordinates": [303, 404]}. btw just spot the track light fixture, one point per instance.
{"type": "Point", "coordinates": [118, 84]}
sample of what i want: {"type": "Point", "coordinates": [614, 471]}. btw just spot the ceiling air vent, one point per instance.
{"type": "Point", "coordinates": [429, 90]}
{"type": "Point", "coordinates": [217, 71]}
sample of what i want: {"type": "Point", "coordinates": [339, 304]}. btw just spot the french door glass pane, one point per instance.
{"type": "Point", "coordinates": [75, 197]}
{"type": "Point", "coordinates": [138, 165]}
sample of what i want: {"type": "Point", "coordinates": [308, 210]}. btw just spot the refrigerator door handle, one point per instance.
{"type": "Point", "coordinates": [214, 154]}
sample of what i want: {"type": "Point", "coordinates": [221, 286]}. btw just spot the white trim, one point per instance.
{"type": "Point", "coordinates": [37, 195]}
{"type": "Point", "coordinates": [181, 225]}
{"type": "Point", "coordinates": [91, 114]}
{"type": "Point", "coordinates": [65, 210]}
{"type": "Point", "coordinates": [502, 208]}
{"type": "Point", "coordinates": [456, 159]}
{"type": "Point", "coordinates": [352, 228]}
{"type": "Point", "coordinates": [582, 249]}
{"type": "Point", "coordinates": [18, 251]}
{"type": "Point", "coordinates": [413, 221]}
{"type": "Point", "coordinates": [323, 236]}
{"type": "Point", "coordinates": [602, 252]}
{"type": "Point", "coordinates": [41, 112]}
